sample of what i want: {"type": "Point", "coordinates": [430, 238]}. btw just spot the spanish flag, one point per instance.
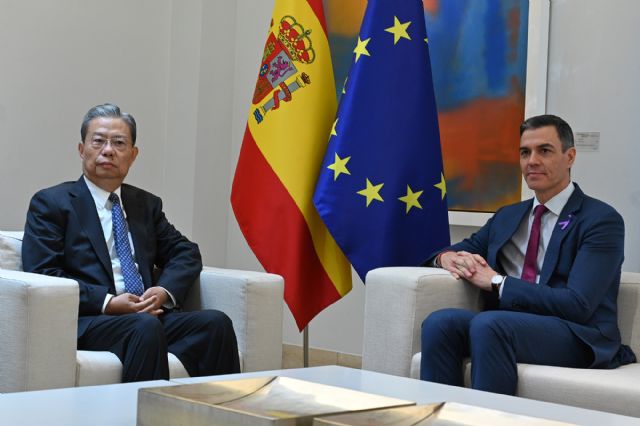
{"type": "Point", "coordinates": [290, 121]}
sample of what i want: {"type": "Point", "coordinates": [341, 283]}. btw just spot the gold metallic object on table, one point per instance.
{"type": "Point", "coordinates": [257, 401]}
{"type": "Point", "coordinates": [449, 413]}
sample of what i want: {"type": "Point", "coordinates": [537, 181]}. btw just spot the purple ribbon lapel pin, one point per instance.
{"type": "Point", "coordinates": [563, 225]}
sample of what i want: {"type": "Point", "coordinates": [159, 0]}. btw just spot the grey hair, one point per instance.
{"type": "Point", "coordinates": [108, 110]}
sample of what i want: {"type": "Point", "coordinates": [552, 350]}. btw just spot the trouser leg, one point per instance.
{"type": "Point", "coordinates": [501, 339]}
{"type": "Point", "coordinates": [445, 344]}
{"type": "Point", "coordinates": [204, 341]}
{"type": "Point", "coordinates": [138, 340]}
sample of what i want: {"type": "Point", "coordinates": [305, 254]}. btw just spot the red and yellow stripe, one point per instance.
{"type": "Point", "coordinates": [276, 175]}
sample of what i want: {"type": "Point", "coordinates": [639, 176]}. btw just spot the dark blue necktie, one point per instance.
{"type": "Point", "coordinates": [132, 281]}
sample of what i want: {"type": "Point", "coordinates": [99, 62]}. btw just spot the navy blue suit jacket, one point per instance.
{"type": "Point", "coordinates": [63, 238]}
{"type": "Point", "coordinates": [580, 274]}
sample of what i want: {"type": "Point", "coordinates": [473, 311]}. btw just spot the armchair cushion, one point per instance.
{"type": "Point", "coordinates": [104, 368]}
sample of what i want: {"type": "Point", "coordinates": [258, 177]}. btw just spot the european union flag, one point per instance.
{"type": "Point", "coordinates": [381, 190]}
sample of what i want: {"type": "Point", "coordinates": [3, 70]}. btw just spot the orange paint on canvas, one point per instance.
{"type": "Point", "coordinates": [431, 6]}
{"type": "Point", "coordinates": [344, 17]}
{"type": "Point", "coordinates": [481, 132]}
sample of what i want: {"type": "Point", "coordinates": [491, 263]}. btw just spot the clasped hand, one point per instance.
{"type": "Point", "coordinates": [150, 302]}
{"type": "Point", "coordinates": [471, 267]}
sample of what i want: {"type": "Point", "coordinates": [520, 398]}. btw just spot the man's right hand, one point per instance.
{"type": "Point", "coordinates": [128, 303]}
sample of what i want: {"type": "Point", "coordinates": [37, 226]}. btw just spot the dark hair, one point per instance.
{"type": "Point", "coordinates": [108, 110]}
{"type": "Point", "coordinates": [565, 134]}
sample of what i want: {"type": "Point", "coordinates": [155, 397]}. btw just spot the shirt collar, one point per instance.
{"type": "Point", "coordinates": [557, 202]}
{"type": "Point", "coordinates": [100, 196]}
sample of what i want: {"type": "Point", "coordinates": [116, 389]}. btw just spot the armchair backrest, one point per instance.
{"type": "Point", "coordinates": [11, 250]}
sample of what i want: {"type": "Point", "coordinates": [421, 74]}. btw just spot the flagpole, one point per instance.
{"type": "Point", "coordinates": [305, 346]}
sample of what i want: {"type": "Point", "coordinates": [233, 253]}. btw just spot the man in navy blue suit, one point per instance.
{"type": "Point", "coordinates": [549, 270]}
{"type": "Point", "coordinates": [134, 269]}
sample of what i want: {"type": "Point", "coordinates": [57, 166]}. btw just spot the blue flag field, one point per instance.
{"type": "Point", "coordinates": [381, 189]}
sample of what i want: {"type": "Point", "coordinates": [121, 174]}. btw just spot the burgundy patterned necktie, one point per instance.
{"type": "Point", "coordinates": [530, 268]}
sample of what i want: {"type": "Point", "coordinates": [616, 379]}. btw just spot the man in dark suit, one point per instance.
{"type": "Point", "coordinates": [549, 268]}
{"type": "Point", "coordinates": [111, 237]}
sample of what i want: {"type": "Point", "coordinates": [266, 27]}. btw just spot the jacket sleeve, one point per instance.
{"type": "Point", "coordinates": [178, 258]}
{"type": "Point", "coordinates": [43, 249]}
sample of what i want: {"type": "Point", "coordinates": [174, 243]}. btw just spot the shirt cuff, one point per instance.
{"type": "Point", "coordinates": [504, 282]}
{"type": "Point", "coordinates": [107, 298]}
{"type": "Point", "coordinates": [436, 260]}
{"type": "Point", "coordinates": [169, 304]}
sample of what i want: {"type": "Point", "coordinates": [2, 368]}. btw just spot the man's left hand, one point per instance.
{"type": "Point", "coordinates": [161, 299]}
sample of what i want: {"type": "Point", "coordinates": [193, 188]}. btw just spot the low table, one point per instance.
{"type": "Point", "coordinates": [112, 405]}
{"type": "Point", "coordinates": [88, 405]}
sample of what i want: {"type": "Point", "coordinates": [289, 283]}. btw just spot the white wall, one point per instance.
{"type": "Point", "coordinates": [187, 68]}
{"type": "Point", "coordinates": [593, 82]}
{"type": "Point", "coordinates": [215, 113]}
{"type": "Point", "coordinates": [169, 63]}
{"type": "Point", "coordinates": [60, 58]}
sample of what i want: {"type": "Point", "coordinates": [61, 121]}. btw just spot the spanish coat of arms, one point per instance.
{"type": "Point", "coordinates": [292, 44]}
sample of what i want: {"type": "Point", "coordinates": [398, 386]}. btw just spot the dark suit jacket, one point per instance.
{"type": "Point", "coordinates": [63, 238]}
{"type": "Point", "coordinates": [580, 274]}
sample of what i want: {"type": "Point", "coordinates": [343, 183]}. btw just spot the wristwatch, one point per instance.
{"type": "Point", "coordinates": [496, 283]}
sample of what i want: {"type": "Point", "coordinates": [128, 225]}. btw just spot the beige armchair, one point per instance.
{"type": "Point", "coordinates": [398, 299]}
{"type": "Point", "coordinates": [38, 324]}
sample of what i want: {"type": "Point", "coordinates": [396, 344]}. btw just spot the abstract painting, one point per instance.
{"type": "Point", "coordinates": [479, 56]}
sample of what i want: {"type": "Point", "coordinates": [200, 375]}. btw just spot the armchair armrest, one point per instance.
{"type": "Point", "coordinates": [397, 300]}
{"type": "Point", "coordinates": [629, 309]}
{"type": "Point", "coordinates": [254, 302]}
{"type": "Point", "coordinates": [38, 331]}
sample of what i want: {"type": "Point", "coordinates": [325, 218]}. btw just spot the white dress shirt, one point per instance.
{"type": "Point", "coordinates": [103, 206]}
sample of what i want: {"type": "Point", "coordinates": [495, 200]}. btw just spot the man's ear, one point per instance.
{"type": "Point", "coordinates": [571, 155]}
{"type": "Point", "coordinates": [81, 150]}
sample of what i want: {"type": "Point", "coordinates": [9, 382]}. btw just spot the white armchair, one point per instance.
{"type": "Point", "coordinates": [38, 324]}
{"type": "Point", "coordinates": [398, 299]}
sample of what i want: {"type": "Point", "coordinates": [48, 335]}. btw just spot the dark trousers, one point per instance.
{"type": "Point", "coordinates": [204, 341]}
{"type": "Point", "coordinates": [495, 341]}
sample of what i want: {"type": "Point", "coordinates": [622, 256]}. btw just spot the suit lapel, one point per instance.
{"type": "Point", "coordinates": [135, 209]}
{"type": "Point", "coordinates": [85, 208]}
{"type": "Point", "coordinates": [566, 222]}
